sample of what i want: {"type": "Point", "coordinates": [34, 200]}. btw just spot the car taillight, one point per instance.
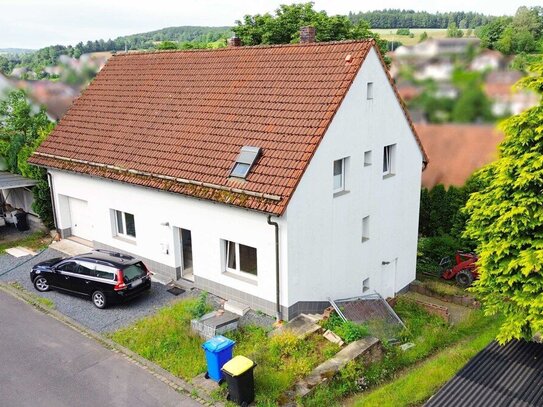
{"type": "Point", "coordinates": [120, 281]}
{"type": "Point", "coordinates": [149, 272]}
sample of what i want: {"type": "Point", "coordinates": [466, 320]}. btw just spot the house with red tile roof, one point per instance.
{"type": "Point", "coordinates": [275, 176]}
{"type": "Point", "coordinates": [457, 151]}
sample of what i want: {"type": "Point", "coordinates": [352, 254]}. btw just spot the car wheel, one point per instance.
{"type": "Point", "coordinates": [99, 299]}
{"type": "Point", "coordinates": [41, 284]}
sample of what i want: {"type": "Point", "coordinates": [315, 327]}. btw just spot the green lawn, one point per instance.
{"type": "Point", "coordinates": [389, 34]}
{"type": "Point", "coordinates": [166, 339]}
{"type": "Point", "coordinates": [34, 241]}
{"type": "Point", "coordinates": [416, 385]}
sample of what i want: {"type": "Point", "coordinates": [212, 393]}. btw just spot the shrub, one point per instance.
{"type": "Point", "coordinates": [403, 31]}
{"type": "Point", "coordinates": [346, 330]}
{"type": "Point", "coordinates": [200, 307]}
{"type": "Point", "coordinates": [433, 249]}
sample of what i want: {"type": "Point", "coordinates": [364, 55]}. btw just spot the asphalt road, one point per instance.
{"type": "Point", "coordinates": [45, 363]}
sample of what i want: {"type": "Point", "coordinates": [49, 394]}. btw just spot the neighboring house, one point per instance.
{"type": "Point", "coordinates": [57, 97]}
{"type": "Point", "coordinates": [437, 47]}
{"type": "Point", "coordinates": [457, 151]}
{"type": "Point", "coordinates": [488, 60]}
{"type": "Point", "coordinates": [506, 100]}
{"type": "Point", "coordinates": [509, 375]}
{"type": "Point", "coordinates": [278, 176]}
{"type": "Point", "coordinates": [439, 70]}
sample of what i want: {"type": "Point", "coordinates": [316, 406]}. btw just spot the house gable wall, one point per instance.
{"type": "Point", "coordinates": [327, 257]}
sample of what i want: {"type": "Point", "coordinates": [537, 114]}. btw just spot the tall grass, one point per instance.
{"type": "Point", "coordinates": [167, 340]}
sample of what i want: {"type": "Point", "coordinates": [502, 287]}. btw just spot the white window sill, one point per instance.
{"type": "Point", "coordinates": [389, 175]}
{"type": "Point", "coordinates": [245, 277]}
{"type": "Point", "coordinates": [125, 239]}
{"type": "Point", "coordinates": [341, 193]}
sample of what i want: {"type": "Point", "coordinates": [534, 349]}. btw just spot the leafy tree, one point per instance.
{"type": "Point", "coordinates": [505, 219]}
{"type": "Point", "coordinates": [453, 31]}
{"type": "Point", "coordinates": [521, 33]}
{"type": "Point", "coordinates": [22, 129]}
{"type": "Point", "coordinates": [423, 36]}
{"type": "Point", "coordinates": [164, 45]}
{"type": "Point", "coordinates": [395, 18]}
{"type": "Point", "coordinates": [472, 104]}
{"type": "Point", "coordinates": [284, 26]}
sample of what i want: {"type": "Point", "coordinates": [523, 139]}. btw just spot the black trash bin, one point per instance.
{"type": "Point", "coordinates": [22, 222]}
{"type": "Point", "coordinates": [238, 373]}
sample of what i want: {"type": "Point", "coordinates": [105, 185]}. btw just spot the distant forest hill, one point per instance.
{"type": "Point", "coordinates": [395, 18]}
{"type": "Point", "coordinates": [49, 55]}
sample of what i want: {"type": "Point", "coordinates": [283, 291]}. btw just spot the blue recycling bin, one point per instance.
{"type": "Point", "coordinates": [218, 351]}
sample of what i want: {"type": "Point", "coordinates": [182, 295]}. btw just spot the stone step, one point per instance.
{"type": "Point", "coordinates": [301, 326]}
{"type": "Point", "coordinates": [236, 307]}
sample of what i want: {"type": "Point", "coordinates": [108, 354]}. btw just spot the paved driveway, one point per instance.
{"type": "Point", "coordinates": [80, 309]}
{"type": "Point", "coordinates": [45, 363]}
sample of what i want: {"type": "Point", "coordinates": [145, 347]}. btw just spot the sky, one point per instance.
{"type": "Point", "coordinates": [38, 23]}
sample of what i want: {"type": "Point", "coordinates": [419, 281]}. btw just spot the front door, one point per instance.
{"type": "Point", "coordinates": [186, 254]}
{"type": "Point", "coordinates": [388, 274]}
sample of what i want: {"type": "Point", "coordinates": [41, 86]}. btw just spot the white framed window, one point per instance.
{"type": "Point", "coordinates": [365, 228]}
{"type": "Point", "coordinates": [369, 89]}
{"type": "Point", "coordinates": [366, 285]}
{"type": "Point", "coordinates": [240, 258]}
{"type": "Point", "coordinates": [367, 158]}
{"type": "Point", "coordinates": [389, 160]}
{"type": "Point", "coordinates": [339, 174]}
{"type": "Point", "coordinates": [125, 225]}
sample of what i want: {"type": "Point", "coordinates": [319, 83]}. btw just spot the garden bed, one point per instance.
{"type": "Point", "coordinates": [444, 292]}
{"type": "Point", "coordinates": [166, 339]}
{"type": "Point", "coordinates": [429, 333]}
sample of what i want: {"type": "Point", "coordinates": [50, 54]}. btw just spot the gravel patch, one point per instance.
{"type": "Point", "coordinates": [80, 309]}
{"type": "Point", "coordinates": [257, 318]}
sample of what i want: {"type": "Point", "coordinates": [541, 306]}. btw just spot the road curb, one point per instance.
{"type": "Point", "coordinates": [176, 383]}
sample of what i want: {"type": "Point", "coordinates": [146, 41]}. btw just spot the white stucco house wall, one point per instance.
{"type": "Point", "coordinates": [304, 154]}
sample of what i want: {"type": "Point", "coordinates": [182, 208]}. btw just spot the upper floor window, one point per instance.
{"type": "Point", "coordinates": [369, 91]}
{"type": "Point", "coordinates": [339, 175]}
{"type": "Point", "coordinates": [125, 225]}
{"type": "Point", "coordinates": [389, 160]}
{"type": "Point", "coordinates": [367, 158]}
{"type": "Point", "coordinates": [365, 228]}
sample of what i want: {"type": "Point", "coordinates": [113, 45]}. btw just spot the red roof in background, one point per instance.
{"type": "Point", "coordinates": [177, 120]}
{"type": "Point", "coordinates": [456, 151]}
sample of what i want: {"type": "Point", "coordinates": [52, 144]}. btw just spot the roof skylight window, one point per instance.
{"type": "Point", "coordinates": [245, 160]}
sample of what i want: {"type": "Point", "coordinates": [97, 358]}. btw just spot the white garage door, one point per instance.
{"type": "Point", "coordinates": [81, 224]}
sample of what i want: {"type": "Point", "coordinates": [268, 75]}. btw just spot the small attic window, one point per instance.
{"type": "Point", "coordinates": [245, 160]}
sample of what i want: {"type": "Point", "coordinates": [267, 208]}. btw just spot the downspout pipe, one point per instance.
{"type": "Point", "coordinates": [50, 181]}
{"type": "Point", "coordinates": [277, 276]}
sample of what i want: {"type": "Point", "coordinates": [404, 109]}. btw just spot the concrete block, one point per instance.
{"type": "Point", "coordinates": [236, 307]}
{"type": "Point", "coordinates": [332, 337]}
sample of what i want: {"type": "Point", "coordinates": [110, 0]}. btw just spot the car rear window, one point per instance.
{"type": "Point", "coordinates": [133, 272]}
{"type": "Point", "coordinates": [103, 271]}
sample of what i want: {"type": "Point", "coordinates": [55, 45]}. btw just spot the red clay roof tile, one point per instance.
{"type": "Point", "coordinates": [185, 115]}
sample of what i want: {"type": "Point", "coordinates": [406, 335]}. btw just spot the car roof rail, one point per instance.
{"type": "Point", "coordinates": [115, 254]}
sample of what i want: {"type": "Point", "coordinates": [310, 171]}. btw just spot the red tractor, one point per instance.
{"type": "Point", "coordinates": [465, 270]}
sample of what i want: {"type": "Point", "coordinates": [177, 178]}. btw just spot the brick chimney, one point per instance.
{"type": "Point", "coordinates": [234, 41]}
{"type": "Point", "coordinates": [307, 34]}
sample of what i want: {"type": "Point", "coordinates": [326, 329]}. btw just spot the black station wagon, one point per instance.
{"type": "Point", "coordinates": [104, 276]}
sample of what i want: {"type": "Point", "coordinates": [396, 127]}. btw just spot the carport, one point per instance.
{"type": "Point", "coordinates": [15, 196]}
